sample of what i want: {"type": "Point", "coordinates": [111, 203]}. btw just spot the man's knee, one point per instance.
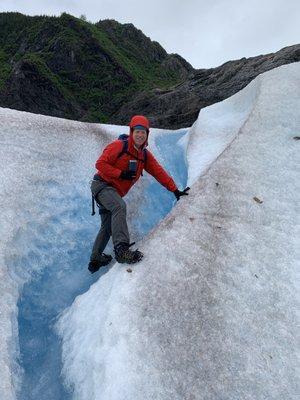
{"type": "Point", "coordinates": [119, 206]}
{"type": "Point", "coordinates": [112, 201]}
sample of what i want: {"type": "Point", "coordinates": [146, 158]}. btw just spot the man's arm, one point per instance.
{"type": "Point", "coordinates": [109, 156]}
{"type": "Point", "coordinates": [153, 167]}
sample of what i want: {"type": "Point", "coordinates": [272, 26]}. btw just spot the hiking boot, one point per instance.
{"type": "Point", "coordinates": [103, 260]}
{"type": "Point", "coordinates": [124, 255]}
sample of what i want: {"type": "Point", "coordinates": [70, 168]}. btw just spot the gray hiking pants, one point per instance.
{"type": "Point", "coordinates": [113, 218]}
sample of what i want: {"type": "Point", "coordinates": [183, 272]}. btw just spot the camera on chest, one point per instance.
{"type": "Point", "coordinates": [132, 165]}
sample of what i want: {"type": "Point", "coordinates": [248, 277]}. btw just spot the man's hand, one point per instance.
{"type": "Point", "coordinates": [129, 175]}
{"type": "Point", "coordinates": [179, 193]}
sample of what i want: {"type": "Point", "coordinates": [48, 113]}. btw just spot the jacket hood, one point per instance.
{"type": "Point", "coordinates": [138, 120]}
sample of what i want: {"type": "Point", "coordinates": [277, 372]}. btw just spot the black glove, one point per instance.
{"type": "Point", "coordinates": [179, 193]}
{"type": "Point", "coordinates": [129, 175]}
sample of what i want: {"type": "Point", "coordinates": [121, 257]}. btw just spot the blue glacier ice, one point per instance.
{"type": "Point", "coordinates": [211, 311]}
{"type": "Point", "coordinates": [48, 252]}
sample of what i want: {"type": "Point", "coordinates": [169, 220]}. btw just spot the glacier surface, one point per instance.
{"type": "Point", "coordinates": [47, 234]}
{"type": "Point", "coordinates": [211, 311]}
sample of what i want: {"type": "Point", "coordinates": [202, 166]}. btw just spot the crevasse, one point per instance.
{"type": "Point", "coordinates": [62, 243]}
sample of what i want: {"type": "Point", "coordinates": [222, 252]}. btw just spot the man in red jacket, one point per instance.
{"type": "Point", "coordinates": [118, 168]}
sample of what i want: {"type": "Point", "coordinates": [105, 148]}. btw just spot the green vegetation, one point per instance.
{"type": "Point", "coordinates": [5, 68]}
{"type": "Point", "coordinates": [98, 67]}
{"type": "Point", "coordinates": [37, 61]}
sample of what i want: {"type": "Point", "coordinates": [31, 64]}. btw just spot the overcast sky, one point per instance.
{"type": "Point", "coordinates": [206, 33]}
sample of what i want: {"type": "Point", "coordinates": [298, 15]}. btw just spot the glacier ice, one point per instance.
{"type": "Point", "coordinates": [42, 157]}
{"type": "Point", "coordinates": [211, 311]}
{"type": "Point", "coordinates": [47, 234]}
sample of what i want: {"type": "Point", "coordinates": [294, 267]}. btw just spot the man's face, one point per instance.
{"type": "Point", "coordinates": [139, 137]}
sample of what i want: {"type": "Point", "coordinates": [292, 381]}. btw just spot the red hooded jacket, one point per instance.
{"type": "Point", "coordinates": [109, 166]}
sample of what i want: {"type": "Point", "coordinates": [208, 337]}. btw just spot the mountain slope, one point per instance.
{"type": "Point", "coordinates": [106, 72]}
{"type": "Point", "coordinates": [70, 68]}
{"type": "Point", "coordinates": [179, 106]}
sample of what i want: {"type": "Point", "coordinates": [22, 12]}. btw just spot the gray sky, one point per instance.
{"type": "Point", "coordinates": [206, 33]}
